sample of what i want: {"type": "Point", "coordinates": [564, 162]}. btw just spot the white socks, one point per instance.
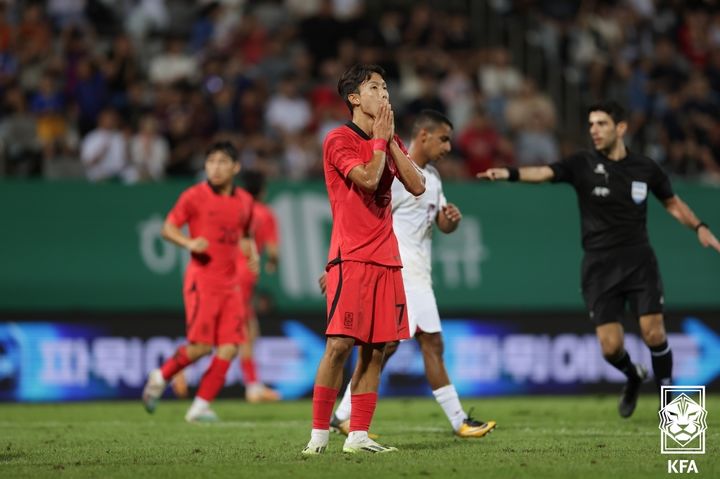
{"type": "Point", "coordinates": [320, 437]}
{"type": "Point", "coordinates": [343, 410]}
{"type": "Point", "coordinates": [449, 401]}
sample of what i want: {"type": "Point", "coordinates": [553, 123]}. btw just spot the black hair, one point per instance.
{"type": "Point", "coordinates": [429, 120]}
{"type": "Point", "coordinates": [612, 108]}
{"type": "Point", "coordinates": [224, 147]}
{"type": "Point", "coordinates": [254, 182]}
{"type": "Point", "coordinates": [353, 77]}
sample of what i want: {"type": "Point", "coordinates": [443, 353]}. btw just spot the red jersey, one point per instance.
{"type": "Point", "coordinates": [265, 231]}
{"type": "Point", "coordinates": [222, 220]}
{"type": "Point", "coordinates": [264, 226]}
{"type": "Point", "coordinates": [362, 222]}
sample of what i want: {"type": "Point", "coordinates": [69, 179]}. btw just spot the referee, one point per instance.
{"type": "Point", "coordinates": [619, 265]}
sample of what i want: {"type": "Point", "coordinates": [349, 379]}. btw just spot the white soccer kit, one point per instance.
{"type": "Point", "coordinates": [413, 220]}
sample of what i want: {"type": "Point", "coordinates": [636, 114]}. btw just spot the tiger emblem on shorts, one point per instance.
{"type": "Point", "coordinates": [683, 419]}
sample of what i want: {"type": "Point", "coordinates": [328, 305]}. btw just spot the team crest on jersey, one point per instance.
{"type": "Point", "coordinates": [638, 191]}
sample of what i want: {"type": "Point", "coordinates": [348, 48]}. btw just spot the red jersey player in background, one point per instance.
{"type": "Point", "coordinates": [265, 232]}
{"type": "Point", "coordinates": [365, 293]}
{"type": "Point", "coordinates": [219, 216]}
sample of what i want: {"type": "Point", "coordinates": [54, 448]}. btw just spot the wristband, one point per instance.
{"type": "Point", "coordinates": [513, 174]}
{"type": "Point", "coordinates": [700, 225]}
{"type": "Point", "coordinates": [379, 144]}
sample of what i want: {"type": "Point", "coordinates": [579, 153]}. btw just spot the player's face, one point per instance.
{"type": "Point", "coordinates": [372, 93]}
{"type": "Point", "coordinates": [437, 142]}
{"type": "Point", "coordinates": [220, 168]}
{"type": "Point", "coordinates": [604, 132]}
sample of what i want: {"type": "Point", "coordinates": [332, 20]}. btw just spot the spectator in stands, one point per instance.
{"type": "Point", "coordinates": [90, 94]}
{"type": "Point", "coordinates": [120, 68]}
{"type": "Point", "coordinates": [668, 72]}
{"type": "Point", "coordinates": [224, 108]}
{"type": "Point", "coordinates": [287, 111]}
{"type": "Point", "coordinates": [48, 105]}
{"type": "Point", "coordinates": [66, 13]}
{"type": "Point", "coordinates": [482, 145]}
{"type": "Point", "coordinates": [210, 67]}
{"type": "Point", "coordinates": [498, 80]}
{"type": "Point", "coordinates": [456, 90]}
{"type": "Point", "coordinates": [147, 16]}
{"type": "Point", "coordinates": [702, 111]}
{"type": "Point", "coordinates": [34, 34]}
{"type": "Point", "coordinates": [173, 64]}
{"type": "Point", "coordinates": [20, 147]}
{"type": "Point", "coordinates": [149, 152]}
{"type": "Point", "coordinates": [104, 150]}
{"type": "Point", "coordinates": [531, 118]}
{"type": "Point", "coordinates": [426, 99]}
{"type": "Point", "coordinates": [692, 36]}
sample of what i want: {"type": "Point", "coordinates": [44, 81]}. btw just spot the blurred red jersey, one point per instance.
{"type": "Point", "coordinates": [264, 228]}
{"type": "Point", "coordinates": [222, 220]}
{"type": "Point", "coordinates": [362, 222]}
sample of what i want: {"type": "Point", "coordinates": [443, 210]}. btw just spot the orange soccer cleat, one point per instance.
{"type": "Point", "coordinates": [257, 393]}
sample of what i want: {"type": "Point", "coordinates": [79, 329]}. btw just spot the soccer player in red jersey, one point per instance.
{"type": "Point", "coordinates": [365, 293]}
{"type": "Point", "coordinates": [265, 232]}
{"type": "Point", "coordinates": [219, 216]}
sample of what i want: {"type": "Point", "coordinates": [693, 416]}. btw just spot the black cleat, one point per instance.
{"type": "Point", "coordinates": [630, 392]}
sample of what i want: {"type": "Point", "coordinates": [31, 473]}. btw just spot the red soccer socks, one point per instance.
{"type": "Point", "coordinates": [362, 410]}
{"type": "Point", "coordinates": [323, 402]}
{"type": "Point", "coordinates": [213, 379]}
{"type": "Point", "coordinates": [249, 370]}
{"type": "Point", "coordinates": [175, 364]}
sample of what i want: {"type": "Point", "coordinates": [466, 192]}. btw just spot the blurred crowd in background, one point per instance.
{"type": "Point", "coordinates": [135, 90]}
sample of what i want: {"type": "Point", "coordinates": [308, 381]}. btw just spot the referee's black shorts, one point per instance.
{"type": "Point", "coordinates": [614, 279]}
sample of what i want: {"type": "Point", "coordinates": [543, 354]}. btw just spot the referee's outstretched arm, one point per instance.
{"type": "Point", "coordinates": [674, 205]}
{"type": "Point", "coordinates": [682, 212]}
{"type": "Point", "coordinates": [526, 174]}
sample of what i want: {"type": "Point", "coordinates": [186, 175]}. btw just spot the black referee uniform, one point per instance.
{"type": "Point", "coordinates": [619, 267]}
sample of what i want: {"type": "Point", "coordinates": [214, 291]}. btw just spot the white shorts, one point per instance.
{"type": "Point", "coordinates": [422, 310]}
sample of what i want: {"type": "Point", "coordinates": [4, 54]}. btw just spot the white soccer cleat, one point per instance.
{"type": "Point", "coordinates": [365, 444]}
{"type": "Point", "coordinates": [154, 388]}
{"type": "Point", "coordinates": [313, 449]}
{"type": "Point", "coordinates": [201, 415]}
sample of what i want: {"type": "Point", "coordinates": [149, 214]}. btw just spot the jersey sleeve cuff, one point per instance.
{"type": "Point", "coordinates": [352, 165]}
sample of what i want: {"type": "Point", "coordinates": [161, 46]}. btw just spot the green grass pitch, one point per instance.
{"type": "Point", "coordinates": [568, 437]}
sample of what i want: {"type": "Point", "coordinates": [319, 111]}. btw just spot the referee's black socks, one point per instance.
{"type": "Point", "coordinates": [662, 364]}
{"type": "Point", "coordinates": [626, 366]}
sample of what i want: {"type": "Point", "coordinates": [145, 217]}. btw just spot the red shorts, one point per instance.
{"type": "Point", "coordinates": [366, 302]}
{"type": "Point", "coordinates": [214, 316]}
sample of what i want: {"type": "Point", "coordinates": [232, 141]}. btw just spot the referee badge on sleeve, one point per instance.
{"type": "Point", "coordinates": [638, 191]}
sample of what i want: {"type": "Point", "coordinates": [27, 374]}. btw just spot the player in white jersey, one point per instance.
{"type": "Point", "coordinates": [413, 221]}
